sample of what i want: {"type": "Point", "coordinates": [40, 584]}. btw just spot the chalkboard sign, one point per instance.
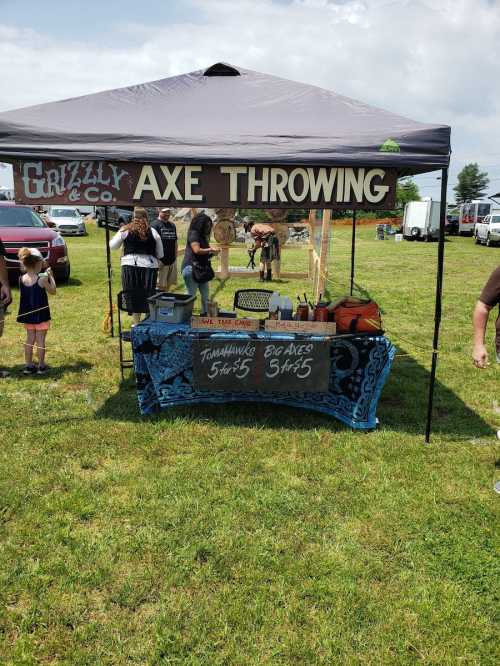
{"type": "Point", "coordinates": [261, 365]}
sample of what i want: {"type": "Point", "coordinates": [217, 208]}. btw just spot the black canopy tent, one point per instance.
{"type": "Point", "coordinates": [214, 118]}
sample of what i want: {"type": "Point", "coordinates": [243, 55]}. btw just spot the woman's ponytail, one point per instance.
{"type": "Point", "coordinates": [27, 258]}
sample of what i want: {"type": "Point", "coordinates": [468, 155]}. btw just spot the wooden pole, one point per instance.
{"type": "Point", "coordinates": [323, 255]}
{"type": "Point", "coordinates": [312, 215]}
{"type": "Point", "coordinates": [224, 261]}
{"type": "Point", "coordinates": [437, 309]}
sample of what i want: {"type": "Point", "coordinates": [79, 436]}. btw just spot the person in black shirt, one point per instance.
{"type": "Point", "coordinates": [5, 297]}
{"type": "Point", "coordinates": [167, 271]}
{"type": "Point", "coordinates": [198, 251]}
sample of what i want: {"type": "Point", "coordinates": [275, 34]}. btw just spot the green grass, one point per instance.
{"type": "Point", "coordinates": [242, 535]}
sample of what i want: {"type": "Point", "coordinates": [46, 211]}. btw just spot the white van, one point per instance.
{"type": "Point", "coordinates": [421, 220]}
{"type": "Point", "coordinates": [488, 230]}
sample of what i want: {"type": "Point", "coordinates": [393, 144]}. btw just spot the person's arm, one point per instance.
{"type": "Point", "coordinates": [117, 240]}
{"type": "Point", "coordinates": [48, 283]}
{"type": "Point", "coordinates": [158, 244]}
{"type": "Point", "coordinates": [256, 237]}
{"type": "Point", "coordinates": [479, 321]}
{"type": "Point", "coordinates": [197, 249]}
{"type": "Point", "coordinates": [5, 297]}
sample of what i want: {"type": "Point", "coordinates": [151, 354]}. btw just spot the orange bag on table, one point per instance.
{"type": "Point", "coordinates": [354, 315]}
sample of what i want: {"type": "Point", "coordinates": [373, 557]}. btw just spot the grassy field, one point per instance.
{"type": "Point", "coordinates": [253, 535]}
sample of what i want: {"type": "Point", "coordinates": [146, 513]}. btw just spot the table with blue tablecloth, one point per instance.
{"type": "Point", "coordinates": [163, 362]}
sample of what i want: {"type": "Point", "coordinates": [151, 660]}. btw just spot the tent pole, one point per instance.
{"type": "Point", "coordinates": [108, 262]}
{"type": "Point", "coordinates": [353, 248]}
{"type": "Point", "coordinates": [437, 311]}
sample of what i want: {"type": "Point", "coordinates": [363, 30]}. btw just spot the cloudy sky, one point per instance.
{"type": "Point", "coordinates": [432, 60]}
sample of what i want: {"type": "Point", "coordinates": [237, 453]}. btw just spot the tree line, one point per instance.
{"type": "Point", "coordinates": [472, 183]}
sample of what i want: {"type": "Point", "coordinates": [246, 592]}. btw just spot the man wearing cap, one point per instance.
{"type": "Point", "coordinates": [5, 297]}
{"type": "Point", "coordinates": [490, 296]}
{"type": "Point", "coordinates": [167, 272]}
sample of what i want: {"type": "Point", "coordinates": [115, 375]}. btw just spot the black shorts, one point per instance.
{"type": "Point", "coordinates": [270, 249]}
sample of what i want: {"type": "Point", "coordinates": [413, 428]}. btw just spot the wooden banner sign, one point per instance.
{"type": "Point", "coordinates": [261, 365]}
{"type": "Point", "coordinates": [81, 182]}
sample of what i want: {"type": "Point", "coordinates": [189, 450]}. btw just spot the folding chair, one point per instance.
{"type": "Point", "coordinates": [124, 301]}
{"type": "Point", "coordinates": [252, 300]}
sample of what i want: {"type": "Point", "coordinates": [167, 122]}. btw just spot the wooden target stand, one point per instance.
{"type": "Point", "coordinates": [225, 236]}
{"type": "Point", "coordinates": [318, 261]}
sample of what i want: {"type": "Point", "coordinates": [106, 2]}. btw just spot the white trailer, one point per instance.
{"type": "Point", "coordinates": [470, 213]}
{"type": "Point", "coordinates": [421, 220]}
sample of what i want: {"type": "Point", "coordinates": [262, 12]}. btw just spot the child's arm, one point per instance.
{"type": "Point", "coordinates": [48, 283]}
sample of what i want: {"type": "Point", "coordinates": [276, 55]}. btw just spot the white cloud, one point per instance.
{"type": "Point", "coordinates": [435, 61]}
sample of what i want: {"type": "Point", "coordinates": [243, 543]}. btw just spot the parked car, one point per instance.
{"type": "Point", "coordinates": [488, 230]}
{"type": "Point", "coordinates": [67, 220]}
{"type": "Point", "coordinates": [86, 210]}
{"type": "Point", "coordinates": [120, 215]}
{"type": "Point", "coordinates": [20, 227]}
{"type": "Point", "coordinates": [117, 216]}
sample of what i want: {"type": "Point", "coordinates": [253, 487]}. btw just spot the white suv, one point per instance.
{"type": "Point", "coordinates": [488, 231]}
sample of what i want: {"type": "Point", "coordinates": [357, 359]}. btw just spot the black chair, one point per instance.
{"type": "Point", "coordinates": [126, 303]}
{"type": "Point", "coordinates": [252, 300]}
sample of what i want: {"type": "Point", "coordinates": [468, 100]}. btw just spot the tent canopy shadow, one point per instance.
{"type": "Point", "coordinates": [402, 408]}
{"type": "Point", "coordinates": [403, 403]}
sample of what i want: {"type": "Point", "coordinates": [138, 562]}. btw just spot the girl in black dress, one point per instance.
{"type": "Point", "coordinates": [34, 311]}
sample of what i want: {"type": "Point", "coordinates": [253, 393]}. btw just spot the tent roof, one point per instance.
{"type": "Point", "coordinates": [223, 115]}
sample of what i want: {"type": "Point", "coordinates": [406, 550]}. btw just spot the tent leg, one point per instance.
{"type": "Point", "coordinates": [353, 248]}
{"type": "Point", "coordinates": [108, 262]}
{"type": "Point", "coordinates": [437, 310]}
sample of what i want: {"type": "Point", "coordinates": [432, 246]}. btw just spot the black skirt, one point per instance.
{"type": "Point", "coordinates": [138, 285]}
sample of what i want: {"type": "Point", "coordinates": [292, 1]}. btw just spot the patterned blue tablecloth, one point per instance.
{"type": "Point", "coordinates": [163, 361]}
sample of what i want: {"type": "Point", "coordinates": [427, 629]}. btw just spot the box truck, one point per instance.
{"type": "Point", "coordinates": [470, 214]}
